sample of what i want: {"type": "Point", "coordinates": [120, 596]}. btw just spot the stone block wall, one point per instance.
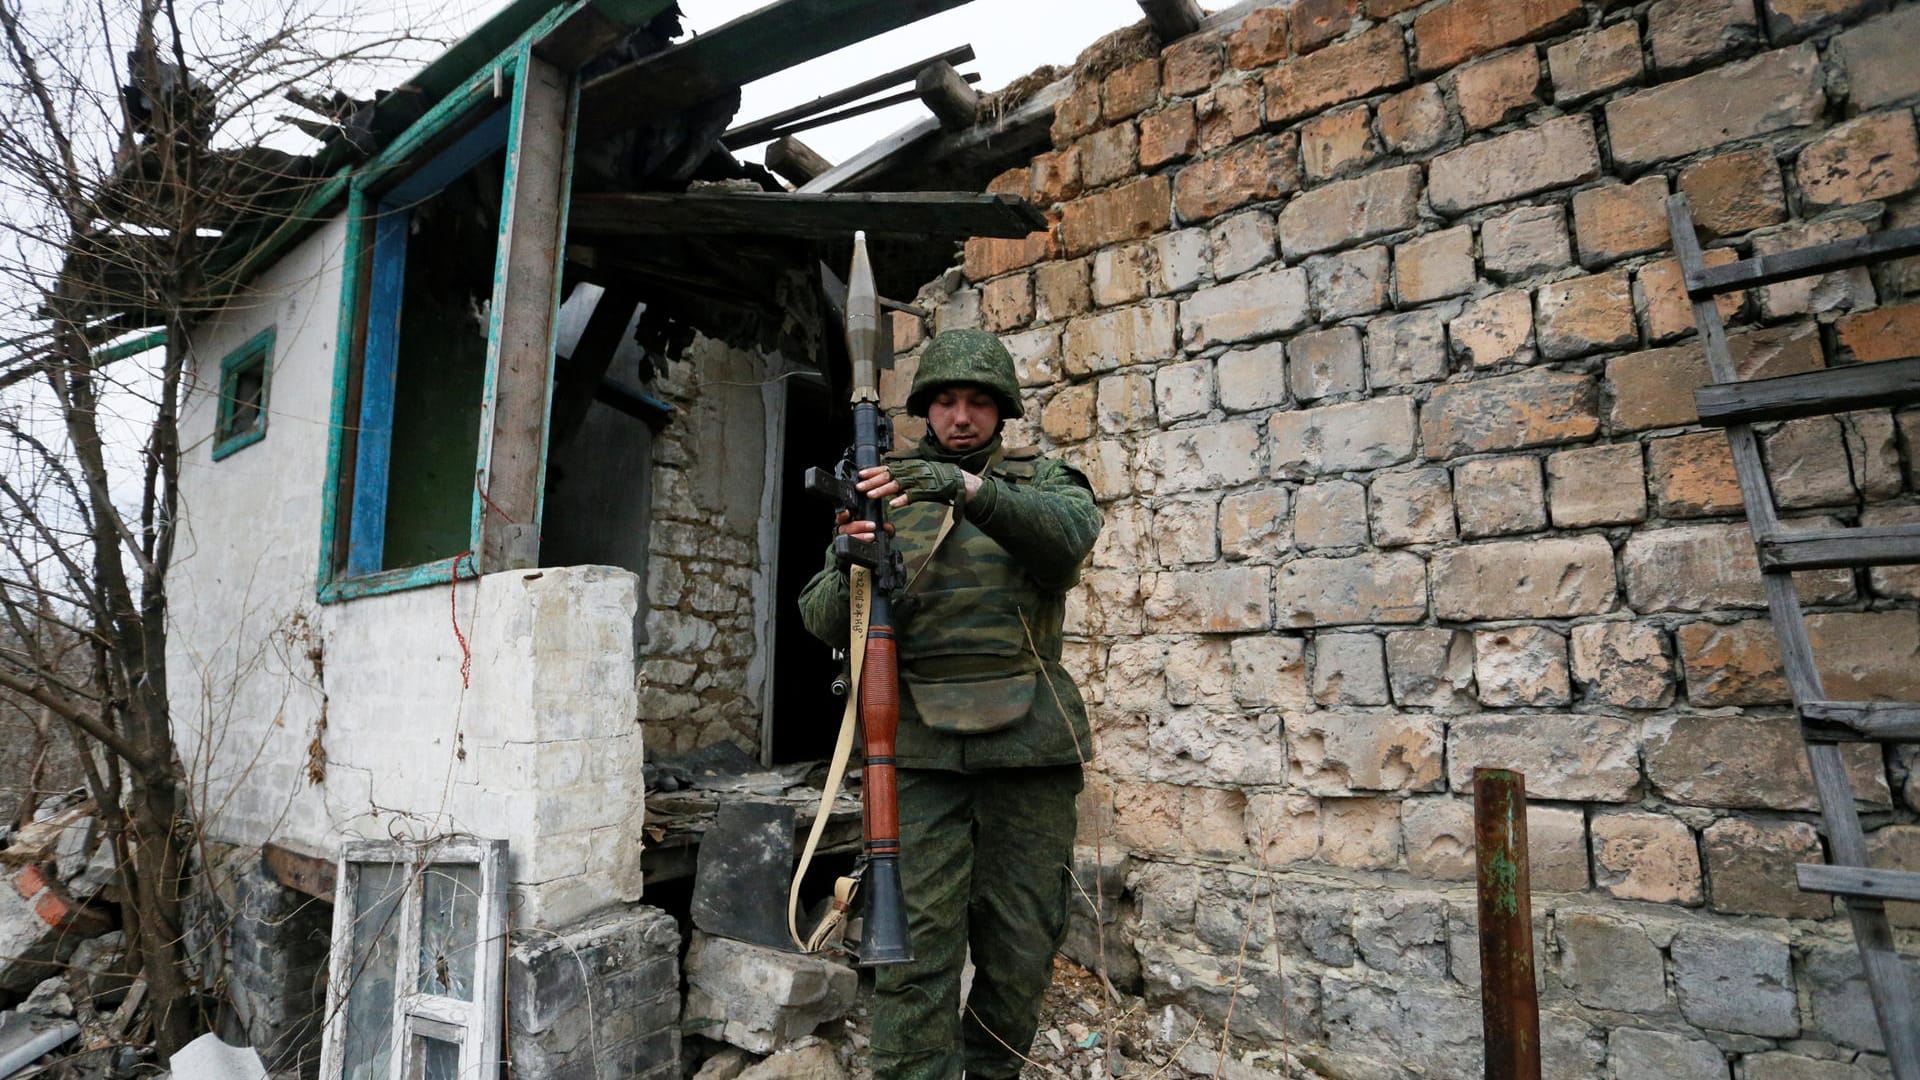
{"type": "Point", "coordinates": [702, 666]}
{"type": "Point", "coordinates": [267, 946]}
{"type": "Point", "coordinates": [1362, 317]}
{"type": "Point", "coordinates": [600, 999]}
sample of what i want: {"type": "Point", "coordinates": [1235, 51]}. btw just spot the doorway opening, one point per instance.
{"type": "Point", "coordinates": [805, 713]}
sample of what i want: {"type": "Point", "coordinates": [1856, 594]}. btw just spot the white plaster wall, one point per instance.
{"type": "Point", "coordinates": [306, 725]}
{"type": "Point", "coordinates": [246, 695]}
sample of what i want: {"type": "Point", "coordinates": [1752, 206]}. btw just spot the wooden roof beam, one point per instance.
{"type": "Point", "coordinates": [753, 46]}
{"type": "Point", "coordinates": [1024, 130]}
{"type": "Point", "coordinates": [948, 96]}
{"type": "Point", "coordinates": [1172, 19]}
{"type": "Point", "coordinates": [914, 215]}
{"type": "Point", "coordinates": [851, 111]}
{"type": "Point", "coordinates": [795, 161]}
{"type": "Point", "coordinates": [768, 127]}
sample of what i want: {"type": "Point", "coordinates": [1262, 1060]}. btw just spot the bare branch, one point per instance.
{"type": "Point", "coordinates": [37, 87]}
{"type": "Point", "coordinates": [78, 717]}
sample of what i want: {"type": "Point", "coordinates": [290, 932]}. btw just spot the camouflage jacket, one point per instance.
{"type": "Point", "coordinates": [984, 610]}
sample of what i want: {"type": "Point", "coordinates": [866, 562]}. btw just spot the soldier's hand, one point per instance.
{"type": "Point", "coordinates": [918, 480]}
{"type": "Point", "coordinates": [876, 482]}
{"type": "Point", "coordinates": [859, 530]}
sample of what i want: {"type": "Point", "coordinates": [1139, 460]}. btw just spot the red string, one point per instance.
{"type": "Point", "coordinates": [491, 505]}
{"type": "Point", "coordinates": [453, 615]}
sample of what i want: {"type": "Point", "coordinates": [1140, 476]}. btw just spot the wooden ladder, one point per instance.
{"type": "Point", "coordinates": [1824, 724]}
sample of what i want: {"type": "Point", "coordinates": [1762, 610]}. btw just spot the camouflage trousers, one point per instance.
{"type": "Point", "coordinates": [986, 866]}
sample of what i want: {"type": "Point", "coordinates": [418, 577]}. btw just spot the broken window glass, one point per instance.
{"type": "Point", "coordinates": [449, 924]}
{"type": "Point", "coordinates": [434, 1053]}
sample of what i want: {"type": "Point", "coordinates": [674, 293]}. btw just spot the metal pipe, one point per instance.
{"type": "Point", "coordinates": [1509, 1000]}
{"type": "Point", "coordinates": [19, 1057]}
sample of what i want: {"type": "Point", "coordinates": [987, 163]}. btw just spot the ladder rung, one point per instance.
{"type": "Point", "coordinates": [1804, 262]}
{"type": "Point", "coordinates": [1879, 385]}
{"type": "Point", "coordinates": [1883, 545]}
{"type": "Point", "coordinates": [1861, 721]}
{"type": "Point", "coordinates": [1860, 881]}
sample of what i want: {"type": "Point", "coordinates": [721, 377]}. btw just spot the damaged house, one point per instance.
{"type": "Point", "coordinates": [1367, 322]}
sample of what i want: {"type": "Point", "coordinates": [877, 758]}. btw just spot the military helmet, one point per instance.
{"type": "Point", "coordinates": [966, 356]}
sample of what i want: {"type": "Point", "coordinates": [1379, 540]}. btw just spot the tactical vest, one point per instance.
{"type": "Point", "coordinates": [974, 629]}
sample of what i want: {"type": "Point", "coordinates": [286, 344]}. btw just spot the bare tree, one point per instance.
{"type": "Point", "coordinates": [135, 198]}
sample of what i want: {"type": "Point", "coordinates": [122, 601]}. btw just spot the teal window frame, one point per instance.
{"type": "Point", "coordinates": [257, 351]}
{"type": "Point", "coordinates": [456, 134]}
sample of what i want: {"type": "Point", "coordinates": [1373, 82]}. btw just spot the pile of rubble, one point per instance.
{"type": "Point", "coordinates": [64, 968]}
{"type": "Point", "coordinates": [764, 1014]}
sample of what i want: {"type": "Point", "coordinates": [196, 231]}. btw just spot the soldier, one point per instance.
{"type": "Point", "coordinates": [993, 731]}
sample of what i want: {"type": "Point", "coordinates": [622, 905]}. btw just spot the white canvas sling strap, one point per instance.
{"type": "Point", "coordinates": [859, 614]}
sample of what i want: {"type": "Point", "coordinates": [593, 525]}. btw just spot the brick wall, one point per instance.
{"type": "Point", "coordinates": [1364, 322]}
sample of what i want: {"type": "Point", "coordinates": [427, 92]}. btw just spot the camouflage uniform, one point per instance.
{"type": "Point", "coordinates": [986, 816]}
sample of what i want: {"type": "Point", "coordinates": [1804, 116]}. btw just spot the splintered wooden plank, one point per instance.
{"type": "Point", "coordinates": [924, 144]}
{"type": "Point", "coordinates": [1826, 549]}
{"type": "Point", "coordinates": [576, 382]}
{"type": "Point", "coordinates": [751, 47]}
{"type": "Point", "coordinates": [309, 874]}
{"type": "Point", "coordinates": [1859, 881]}
{"type": "Point", "coordinates": [1886, 384]}
{"type": "Point", "coordinates": [1852, 721]}
{"type": "Point", "coordinates": [1804, 262]}
{"type": "Point", "coordinates": [955, 215]}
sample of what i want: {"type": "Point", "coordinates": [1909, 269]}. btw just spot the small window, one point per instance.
{"type": "Point", "coordinates": [242, 418]}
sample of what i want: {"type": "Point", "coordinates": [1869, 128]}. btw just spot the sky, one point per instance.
{"type": "Point", "coordinates": [1010, 38]}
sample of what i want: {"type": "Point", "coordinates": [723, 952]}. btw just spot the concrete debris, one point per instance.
{"type": "Point", "coordinates": [54, 804]}
{"type": "Point", "coordinates": [1206, 1061]}
{"type": "Point", "coordinates": [32, 943]}
{"type": "Point", "coordinates": [808, 1059]}
{"type": "Point", "coordinates": [50, 998]}
{"type": "Point", "coordinates": [41, 841]}
{"type": "Point", "coordinates": [71, 850]}
{"type": "Point", "coordinates": [100, 873]}
{"type": "Point", "coordinates": [728, 1064]}
{"type": "Point", "coordinates": [761, 999]}
{"type": "Point", "coordinates": [45, 915]}
{"type": "Point", "coordinates": [207, 1058]}
{"type": "Point", "coordinates": [100, 970]}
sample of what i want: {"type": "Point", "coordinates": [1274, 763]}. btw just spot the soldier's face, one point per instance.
{"type": "Point", "coordinates": [963, 417]}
